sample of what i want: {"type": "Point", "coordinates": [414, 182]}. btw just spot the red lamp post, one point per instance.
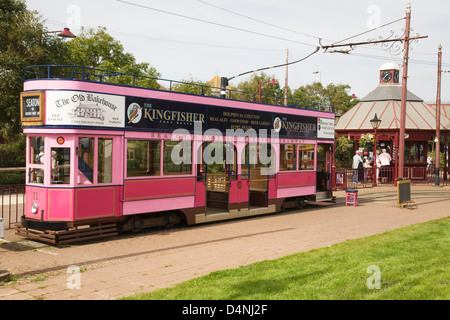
{"type": "Point", "coordinates": [65, 33]}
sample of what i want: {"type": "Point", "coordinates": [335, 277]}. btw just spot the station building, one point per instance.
{"type": "Point", "coordinates": [385, 102]}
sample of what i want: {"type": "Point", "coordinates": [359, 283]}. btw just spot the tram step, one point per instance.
{"type": "Point", "coordinates": [76, 234]}
{"type": "Point", "coordinates": [320, 203]}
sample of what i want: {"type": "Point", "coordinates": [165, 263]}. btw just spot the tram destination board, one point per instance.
{"type": "Point", "coordinates": [31, 107]}
{"type": "Point", "coordinates": [149, 113]}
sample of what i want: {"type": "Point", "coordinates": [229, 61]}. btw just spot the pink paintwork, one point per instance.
{"type": "Point", "coordinates": [295, 191]}
{"type": "Point", "coordinates": [272, 189]}
{"type": "Point", "coordinates": [89, 204]}
{"type": "Point", "coordinates": [238, 194]}
{"type": "Point", "coordinates": [200, 194]}
{"type": "Point", "coordinates": [156, 205]}
{"type": "Point", "coordinates": [296, 179]}
{"type": "Point", "coordinates": [37, 195]}
{"type": "Point", "coordinates": [60, 205]}
{"type": "Point", "coordinates": [159, 188]}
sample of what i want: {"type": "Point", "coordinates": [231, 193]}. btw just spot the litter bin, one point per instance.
{"type": "Point", "coordinates": [2, 228]}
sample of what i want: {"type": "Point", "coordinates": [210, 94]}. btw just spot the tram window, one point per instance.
{"type": "Point", "coordinates": [36, 154]}
{"type": "Point", "coordinates": [306, 156]}
{"type": "Point", "coordinates": [36, 175]}
{"type": "Point", "coordinates": [143, 158]}
{"type": "Point", "coordinates": [220, 158]}
{"type": "Point", "coordinates": [177, 158]}
{"type": "Point", "coordinates": [37, 150]}
{"type": "Point", "coordinates": [105, 149]}
{"type": "Point", "coordinates": [86, 160]}
{"type": "Point", "coordinates": [288, 157]}
{"type": "Point", "coordinates": [60, 165]}
{"type": "Point", "coordinates": [258, 156]}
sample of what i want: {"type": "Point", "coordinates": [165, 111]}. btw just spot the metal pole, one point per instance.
{"type": "Point", "coordinates": [437, 152]}
{"type": "Point", "coordinates": [375, 168]}
{"type": "Point", "coordinates": [401, 146]}
{"type": "Point", "coordinates": [286, 79]}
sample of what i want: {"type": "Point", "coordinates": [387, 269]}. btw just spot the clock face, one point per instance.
{"type": "Point", "coordinates": [386, 76]}
{"type": "Point", "coordinates": [396, 76]}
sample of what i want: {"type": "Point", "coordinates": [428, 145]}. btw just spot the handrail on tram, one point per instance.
{"type": "Point", "coordinates": [83, 73]}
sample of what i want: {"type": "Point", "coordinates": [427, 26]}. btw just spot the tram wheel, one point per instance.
{"type": "Point", "coordinates": [136, 224]}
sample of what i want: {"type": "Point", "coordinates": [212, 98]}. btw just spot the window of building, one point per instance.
{"type": "Point", "coordinates": [414, 152]}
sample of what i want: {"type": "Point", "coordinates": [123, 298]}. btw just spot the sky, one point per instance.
{"type": "Point", "coordinates": [199, 39]}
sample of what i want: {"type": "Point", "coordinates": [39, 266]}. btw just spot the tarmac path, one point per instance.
{"type": "Point", "coordinates": [120, 266]}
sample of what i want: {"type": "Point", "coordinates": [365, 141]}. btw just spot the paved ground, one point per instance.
{"type": "Point", "coordinates": [121, 266]}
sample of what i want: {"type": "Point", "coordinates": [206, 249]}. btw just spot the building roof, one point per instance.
{"type": "Point", "coordinates": [390, 66]}
{"type": "Point", "coordinates": [385, 92]}
{"type": "Point", "coordinates": [419, 116]}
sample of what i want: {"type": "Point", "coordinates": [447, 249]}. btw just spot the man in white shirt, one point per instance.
{"type": "Point", "coordinates": [356, 161]}
{"type": "Point", "coordinates": [385, 160]}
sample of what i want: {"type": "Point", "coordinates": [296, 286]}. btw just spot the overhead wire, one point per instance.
{"type": "Point", "coordinates": [260, 21]}
{"type": "Point", "coordinates": [139, 36]}
{"type": "Point", "coordinates": [258, 33]}
{"type": "Point", "coordinates": [214, 23]}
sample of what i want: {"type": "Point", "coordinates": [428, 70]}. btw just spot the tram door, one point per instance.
{"type": "Point", "coordinates": [259, 167]}
{"type": "Point", "coordinates": [219, 169]}
{"type": "Point", "coordinates": [324, 170]}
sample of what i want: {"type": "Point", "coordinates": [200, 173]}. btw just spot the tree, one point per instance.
{"type": "Point", "coordinates": [24, 41]}
{"type": "Point", "coordinates": [269, 91]}
{"type": "Point", "coordinates": [335, 95]}
{"type": "Point", "coordinates": [99, 50]}
{"type": "Point", "coordinates": [193, 87]}
{"type": "Point", "coordinates": [20, 30]}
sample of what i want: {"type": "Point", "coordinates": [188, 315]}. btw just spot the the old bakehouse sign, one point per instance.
{"type": "Point", "coordinates": [84, 109]}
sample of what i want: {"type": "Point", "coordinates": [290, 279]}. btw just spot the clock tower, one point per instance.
{"type": "Point", "coordinates": [389, 73]}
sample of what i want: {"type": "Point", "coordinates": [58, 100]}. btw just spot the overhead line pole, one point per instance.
{"type": "Point", "coordinates": [406, 39]}
{"type": "Point", "coordinates": [401, 138]}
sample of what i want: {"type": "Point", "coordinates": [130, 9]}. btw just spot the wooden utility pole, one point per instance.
{"type": "Point", "coordinates": [286, 79]}
{"type": "Point", "coordinates": [437, 148]}
{"type": "Point", "coordinates": [401, 146]}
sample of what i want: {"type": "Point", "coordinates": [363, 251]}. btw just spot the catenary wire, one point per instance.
{"type": "Point", "coordinates": [215, 23]}
{"type": "Point", "coordinates": [260, 21]}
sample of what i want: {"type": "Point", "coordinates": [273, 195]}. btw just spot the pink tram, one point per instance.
{"type": "Point", "coordinates": [104, 158]}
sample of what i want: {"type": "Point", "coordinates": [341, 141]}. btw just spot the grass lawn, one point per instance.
{"type": "Point", "coordinates": [410, 263]}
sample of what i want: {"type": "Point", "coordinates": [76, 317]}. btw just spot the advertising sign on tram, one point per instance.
{"type": "Point", "coordinates": [80, 108]}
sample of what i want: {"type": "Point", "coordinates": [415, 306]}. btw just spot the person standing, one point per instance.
{"type": "Point", "coordinates": [385, 161]}
{"type": "Point", "coordinates": [357, 163]}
